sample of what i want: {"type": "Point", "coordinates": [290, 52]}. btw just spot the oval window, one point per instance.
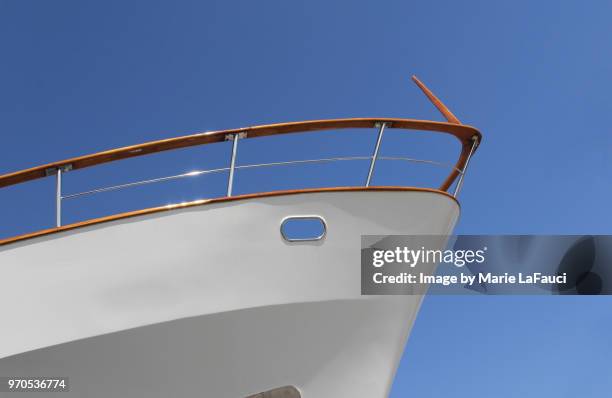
{"type": "Point", "coordinates": [303, 228]}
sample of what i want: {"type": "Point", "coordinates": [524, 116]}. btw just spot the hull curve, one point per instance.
{"type": "Point", "coordinates": [211, 301]}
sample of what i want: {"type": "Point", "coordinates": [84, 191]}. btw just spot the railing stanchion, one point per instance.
{"type": "Point", "coordinates": [234, 138]}
{"type": "Point", "coordinates": [375, 154]}
{"type": "Point", "coordinates": [58, 171]}
{"type": "Point", "coordinates": [467, 162]}
{"type": "Point", "coordinates": [58, 197]}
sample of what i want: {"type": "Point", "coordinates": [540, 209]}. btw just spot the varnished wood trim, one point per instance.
{"type": "Point", "coordinates": [211, 201]}
{"type": "Point", "coordinates": [463, 132]}
{"type": "Point", "coordinates": [448, 115]}
{"type": "Point", "coordinates": [460, 165]}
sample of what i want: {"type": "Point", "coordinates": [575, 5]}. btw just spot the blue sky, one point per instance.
{"type": "Point", "coordinates": [79, 77]}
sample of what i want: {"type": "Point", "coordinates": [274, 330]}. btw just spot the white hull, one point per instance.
{"type": "Point", "coordinates": [210, 301]}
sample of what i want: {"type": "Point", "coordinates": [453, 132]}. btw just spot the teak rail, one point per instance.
{"type": "Point", "coordinates": [468, 136]}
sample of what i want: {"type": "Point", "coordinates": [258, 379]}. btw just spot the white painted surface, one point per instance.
{"type": "Point", "coordinates": [205, 262]}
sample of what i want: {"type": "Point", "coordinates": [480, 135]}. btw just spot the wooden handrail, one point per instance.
{"type": "Point", "coordinates": [468, 136]}
{"type": "Point", "coordinates": [464, 133]}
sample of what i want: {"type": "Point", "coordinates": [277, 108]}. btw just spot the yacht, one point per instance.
{"type": "Point", "coordinates": [243, 295]}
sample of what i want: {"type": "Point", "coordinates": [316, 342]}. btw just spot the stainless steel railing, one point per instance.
{"type": "Point", "coordinates": [233, 167]}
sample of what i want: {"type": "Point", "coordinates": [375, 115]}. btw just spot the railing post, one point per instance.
{"type": "Point", "coordinates": [467, 162]}
{"type": "Point", "coordinates": [234, 138]}
{"type": "Point", "coordinates": [58, 171]}
{"type": "Point", "coordinates": [58, 198]}
{"type": "Point", "coordinates": [375, 154]}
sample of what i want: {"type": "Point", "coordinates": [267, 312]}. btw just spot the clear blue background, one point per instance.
{"type": "Point", "coordinates": [78, 77]}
